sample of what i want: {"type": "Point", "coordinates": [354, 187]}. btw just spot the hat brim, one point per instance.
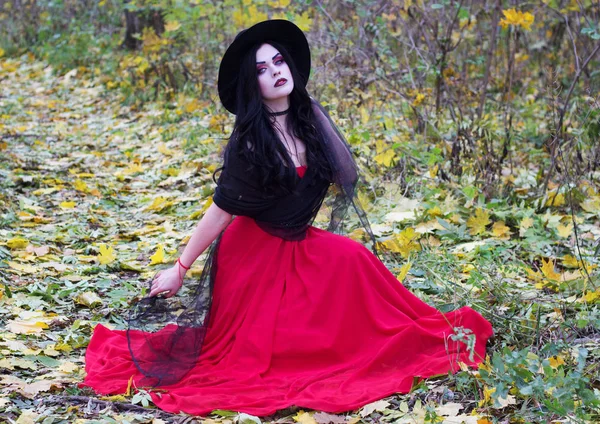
{"type": "Point", "coordinates": [279, 30]}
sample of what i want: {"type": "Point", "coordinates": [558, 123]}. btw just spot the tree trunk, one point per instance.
{"type": "Point", "coordinates": [137, 20]}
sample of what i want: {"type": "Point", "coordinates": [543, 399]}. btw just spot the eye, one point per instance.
{"type": "Point", "coordinates": [279, 61]}
{"type": "Point", "coordinates": [260, 71]}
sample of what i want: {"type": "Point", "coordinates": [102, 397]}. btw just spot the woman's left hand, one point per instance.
{"type": "Point", "coordinates": [168, 281]}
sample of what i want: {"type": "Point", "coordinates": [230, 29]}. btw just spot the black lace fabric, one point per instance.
{"type": "Point", "coordinates": [166, 336]}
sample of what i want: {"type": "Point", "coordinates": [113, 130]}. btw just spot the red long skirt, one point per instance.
{"type": "Point", "coordinates": [319, 323]}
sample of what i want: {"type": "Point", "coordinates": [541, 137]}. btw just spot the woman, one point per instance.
{"type": "Point", "coordinates": [284, 313]}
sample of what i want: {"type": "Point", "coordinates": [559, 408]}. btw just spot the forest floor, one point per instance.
{"type": "Point", "coordinates": [97, 196]}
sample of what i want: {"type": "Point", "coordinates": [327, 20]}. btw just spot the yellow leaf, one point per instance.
{"type": "Point", "coordinates": [570, 261]}
{"type": "Point", "coordinates": [592, 297]}
{"type": "Point", "coordinates": [88, 298]}
{"type": "Point", "coordinates": [547, 269]}
{"type": "Point", "coordinates": [525, 224]}
{"type": "Point", "coordinates": [304, 418]}
{"type": "Point", "coordinates": [478, 222]}
{"type": "Point", "coordinates": [591, 204]}
{"type": "Point", "coordinates": [162, 148]}
{"type": "Point", "coordinates": [418, 99]}
{"type": "Point", "coordinates": [133, 168]}
{"type": "Point", "coordinates": [17, 243]}
{"type": "Point", "coordinates": [435, 211]}
{"type": "Point", "coordinates": [172, 26]}
{"type": "Point", "coordinates": [254, 16]}
{"type": "Point", "coordinates": [80, 186]}
{"type": "Point", "coordinates": [28, 416]}
{"type": "Point", "coordinates": [364, 201]}
{"type": "Point", "coordinates": [67, 205]}
{"type": "Point", "coordinates": [159, 256]}
{"type": "Point", "coordinates": [364, 115]}
{"type": "Point", "coordinates": [556, 361]}
{"type": "Point", "coordinates": [434, 171]}
{"type": "Point", "coordinates": [555, 199]}
{"type": "Point", "coordinates": [116, 398]}
{"type": "Point", "coordinates": [107, 254]}
{"type": "Point", "coordinates": [303, 21]}
{"type": "Point", "coordinates": [500, 230]}
{"type": "Point", "coordinates": [159, 204]}
{"type": "Point", "coordinates": [403, 271]}
{"type": "Point", "coordinates": [403, 243]}
{"type": "Point", "coordinates": [1, 52]}
{"type": "Point", "coordinates": [386, 158]}
{"type": "Point", "coordinates": [564, 231]}
{"type": "Point", "coordinates": [26, 327]}
{"type": "Point", "coordinates": [27, 269]}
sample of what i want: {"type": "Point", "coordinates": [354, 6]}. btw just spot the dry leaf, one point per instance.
{"type": "Point", "coordinates": [378, 406]}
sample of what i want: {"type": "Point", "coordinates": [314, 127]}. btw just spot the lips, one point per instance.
{"type": "Point", "coordinates": [280, 82]}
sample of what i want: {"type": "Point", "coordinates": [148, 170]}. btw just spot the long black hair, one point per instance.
{"type": "Point", "coordinates": [254, 136]}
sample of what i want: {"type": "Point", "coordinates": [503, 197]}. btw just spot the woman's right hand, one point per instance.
{"type": "Point", "coordinates": [168, 281]}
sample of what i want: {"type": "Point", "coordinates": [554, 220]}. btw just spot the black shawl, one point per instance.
{"type": "Point", "coordinates": [174, 331]}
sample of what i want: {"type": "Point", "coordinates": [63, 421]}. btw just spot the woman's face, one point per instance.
{"type": "Point", "coordinates": [273, 73]}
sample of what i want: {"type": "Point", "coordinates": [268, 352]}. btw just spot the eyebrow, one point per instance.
{"type": "Point", "coordinates": [273, 58]}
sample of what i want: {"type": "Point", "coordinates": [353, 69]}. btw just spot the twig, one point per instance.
{"type": "Point", "coordinates": [119, 406]}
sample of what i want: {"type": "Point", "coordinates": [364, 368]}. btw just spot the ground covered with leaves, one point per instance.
{"type": "Point", "coordinates": [96, 196]}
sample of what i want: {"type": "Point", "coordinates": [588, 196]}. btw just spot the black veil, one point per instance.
{"type": "Point", "coordinates": [165, 336]}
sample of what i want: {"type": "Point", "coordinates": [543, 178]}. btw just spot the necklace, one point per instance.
{"type": "Point", "coordinates": [283, 112]}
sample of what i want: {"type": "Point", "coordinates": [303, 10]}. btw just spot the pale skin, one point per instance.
{"type": "Point", "coordinates": [270, 67]}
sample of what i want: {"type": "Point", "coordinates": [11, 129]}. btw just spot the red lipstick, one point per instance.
{"type": "Point", "coordinates": [280, 82]}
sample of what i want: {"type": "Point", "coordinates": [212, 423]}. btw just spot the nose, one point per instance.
{"type": "Point", "coordinates": [276, 72]}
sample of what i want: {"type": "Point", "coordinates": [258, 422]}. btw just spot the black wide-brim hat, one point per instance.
{"type": "Point", "coordinates": [278, 30]}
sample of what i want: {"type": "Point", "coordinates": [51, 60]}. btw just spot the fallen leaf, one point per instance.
{"type": "Point", "coordinates": [378, 406]}
{"type": "Point", "coordinates": [107, 254]}
{"type": "Point", "coordinates": [88, 298]}
{"type": "Point", "coordinates": [39, 251]}
{"type": "Point", "coordinates": [325, 418]}
{"type": "Point", "coordinates": [547, 269]}
{"type": "Point", "coordinates": [478, 222]}
{"type": "Point", "coordinates": [17, 243]}
{"type": "Point", "coordinates": [403, 271]}
{"type": "Point", "coordinates": [28, 416]}
{"type": "Point", "coordinates": [564, 231]}
{"type": "Point", "coordinates": [500, 230]}
{"type": "Point", "coordinates": [304, 418]}
{"type": "Point", "coordinates": [159, 256]}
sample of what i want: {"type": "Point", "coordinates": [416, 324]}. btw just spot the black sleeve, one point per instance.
{"type": "Point", "coordinates": [237, 190]}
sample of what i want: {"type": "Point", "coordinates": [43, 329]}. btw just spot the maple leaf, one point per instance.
{"type": "Point", "coordinates": [478, 222]}
{"type": "Point", "coordinates": [591, 204]}
{"type": "Point", "coordinates": [525, 224]}
{"type": "Point", "coordinates": [159, 256]}
{"type": "Point", "coordinates": [386, 158]}
{"type": "Point", "coordinates": [500, 230]}
{"type": "Point", "coordinates": [570, 261]}
{"type": "Point", "coordinates": [304, 418]}
{"type": "Point", "coordinates": [547, 269]}
{"type": "Point", "coordinates": [564, 231]}
{"type": "Point", "coordinates": [591, 296]}
{"type": "Point", "coordinates": [106, 255]}
{"type": "Point", "coordinates": [303, 21]}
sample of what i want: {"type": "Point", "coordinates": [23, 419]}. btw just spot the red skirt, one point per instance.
{"type": "Point", "coordinates": [319, 323]}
